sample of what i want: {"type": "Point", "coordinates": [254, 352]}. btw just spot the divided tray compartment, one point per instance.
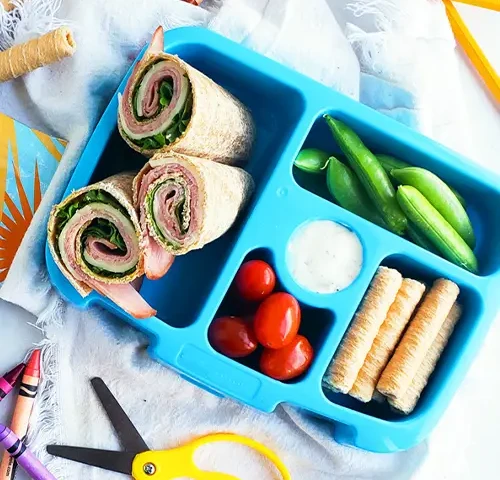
{"type": "Point", "coordinates": [287, 108]}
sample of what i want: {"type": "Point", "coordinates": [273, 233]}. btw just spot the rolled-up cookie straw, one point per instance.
{"type": "Point", "coordinates": [387, 338]}
{"type": "Point", "coordinates": [421, 333]}
{"type": "Point", "coordinates": [407, 402]}
{"type": "Point", "coordinates": [357, 342]}
{"type": "Point", "coordinates": [49, 48]}
{"type": "Point", "coordinates": [7, 5]}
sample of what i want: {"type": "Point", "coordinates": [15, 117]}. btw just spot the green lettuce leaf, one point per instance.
{"type": "Point", "coordinates": [166, 92]}
{"type": "Point", "coordinates": [177, 126]}
{"type": "Point", "coordinates": [93, 196]}
{"type": "Point", "coordinates": [102, 228]}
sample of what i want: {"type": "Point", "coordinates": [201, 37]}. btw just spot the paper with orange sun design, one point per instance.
{"type": "Point", "coordinates": [28, 160]}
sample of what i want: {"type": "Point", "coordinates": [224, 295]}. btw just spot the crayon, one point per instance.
{"type": "Point", "coordinates": [22, 411]}
{"type": "Point", "coordinates": [8, 381]}
{"type": "Point", "coordinates": [26, 460]}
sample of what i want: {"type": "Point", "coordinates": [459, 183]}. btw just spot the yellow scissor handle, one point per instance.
{"type": "Point", "coordinates": [178, 462]}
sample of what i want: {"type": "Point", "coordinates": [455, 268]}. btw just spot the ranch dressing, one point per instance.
{"type": "Point", "coordinates": [324, 256]}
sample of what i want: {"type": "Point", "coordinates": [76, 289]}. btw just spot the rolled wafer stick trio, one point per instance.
{"type": "Point", "coordinates": [220, 184]}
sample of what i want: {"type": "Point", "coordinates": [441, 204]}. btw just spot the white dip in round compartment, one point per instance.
{"type": "Point", "coordinates": [324, 256]}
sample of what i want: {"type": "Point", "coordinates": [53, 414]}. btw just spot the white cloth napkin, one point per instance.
{"type": "Point", "coordinates": [67, 99]}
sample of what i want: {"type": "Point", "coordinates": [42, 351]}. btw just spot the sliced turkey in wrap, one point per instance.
{"type": "Point", "coordinates": [94, 237]}
{"type": "Point", "coordinates": [185, 203]}
{"type": "Point", "coordinates": [167, 105]}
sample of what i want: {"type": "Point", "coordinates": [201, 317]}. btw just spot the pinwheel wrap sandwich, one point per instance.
{"type": "Point", "coordinates": [167, 105]}
{"type": "Point", "coordinates": [94, 237]}
{"type": "Point", "coordinates": [185, 203]}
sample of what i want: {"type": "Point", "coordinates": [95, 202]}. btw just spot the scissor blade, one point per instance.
{"type": "Point", "coordinates": [120, 462]}
{"type": "Point", "coordinates": [129, 437]}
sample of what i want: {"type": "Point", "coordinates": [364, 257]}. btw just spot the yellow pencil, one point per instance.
{"type": "Point", "coordinates": [473, 50]}
{"type": "Point", "coordinates": [489, 4]}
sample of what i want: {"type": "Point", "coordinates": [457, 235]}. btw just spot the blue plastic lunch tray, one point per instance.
{"type": "Point", "coordinates": [288, 108]}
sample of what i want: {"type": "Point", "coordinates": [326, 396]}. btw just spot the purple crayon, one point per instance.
{"type": "Point", "coordinates": [25, 459]}
{"type": "Point", "coordinates": [8, 381]}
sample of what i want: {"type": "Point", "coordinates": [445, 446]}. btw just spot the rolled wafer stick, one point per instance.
{"type": "Point", "coordinates": [408, 401]}
{"type": "Point", "coordinates": [387, 338]}
{"type": "Point", "coordinates": [36, 53]}
{"type": "Point", "coordinates": [7, 5]}
{"type": "Point", "coordinates": [423, 329]}
{"type": "Point", "coordinates": [358, 340]}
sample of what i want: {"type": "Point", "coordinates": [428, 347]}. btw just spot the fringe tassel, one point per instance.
{"type": "Point", "coordinates": [29, 19]}
{"type": "Point", "coordinates": [392, 43]}
{"type": "Point", "coordinates": [385, 12]}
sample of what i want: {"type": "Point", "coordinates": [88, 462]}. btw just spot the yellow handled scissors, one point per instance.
{"type": "Point", "coordinates": [145, 464]}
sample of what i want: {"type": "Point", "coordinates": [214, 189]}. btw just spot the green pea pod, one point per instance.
{"type": "Point", "coordinates": [419, 238]}
{"type": "Point", "coordinates": [436, 229]}
{"type": "Point", "coordinates": [371, 174]}
{"type": "Point", "coordinates": [441, 198]}
{"type": "Point", "coordinates": [390, 163]}
{"type": "Point", "coordinates": [312, 160]}
{"type": "Point", "coordinates": [347, 190]}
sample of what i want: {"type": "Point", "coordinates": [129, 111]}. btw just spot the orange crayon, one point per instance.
{"type": "Point", "coordinates": [22, 411]}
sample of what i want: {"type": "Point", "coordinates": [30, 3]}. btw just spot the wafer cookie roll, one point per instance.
{"type": "Point", "coordinates": [36, 53]}
{"type": "Point", "coordinates": [387, 338]}
{"type": "Point", "coordinates": [408, 401]}
{"type": "Point", "coordinates": [403, 366]}
{"type": "Point", "coordinates": [358, 340]}
{"type": "Point", "coordinates": [7, 5]}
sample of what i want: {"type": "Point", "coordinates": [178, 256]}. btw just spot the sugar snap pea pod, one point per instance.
{"type": "Point", "coordinates": [371, 174]}
{"type": "Point", "coordinates": [441, 198]}
{"type": "Point", "coordinates": [347, 190]}
{"type": "Point", "coordinates": [312, 160]}
{"type": "Point", "coordinates": [432, 224]}
{"type": "Point", "coordinates": [389, 163]}
{"type": "Point", "coordinates": [419, 238]}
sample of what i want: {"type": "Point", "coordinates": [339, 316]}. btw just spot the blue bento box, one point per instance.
{"type": "Point", "coordinates": [287, 108]}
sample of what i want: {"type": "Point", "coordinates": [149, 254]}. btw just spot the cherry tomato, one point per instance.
{"type": "Point", "coordinates": [277, 320]}
{"type": "Point", "coordinates": [232, 336]}
{"type": "Point", "coordinates": [287, 362]}
{"type": "Point", "coordinates": [255, 280]}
